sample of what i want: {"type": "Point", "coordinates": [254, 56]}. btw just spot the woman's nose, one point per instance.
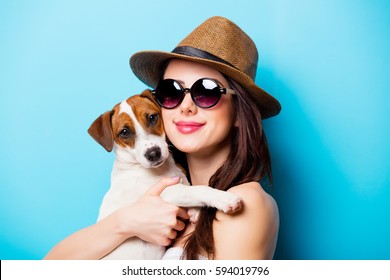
{"type": "Point", "coordinates": [187, 106]}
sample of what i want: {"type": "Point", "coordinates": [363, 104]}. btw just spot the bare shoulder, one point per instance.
{"type": "Point", "coordinates": [256, 201]}
{"type": "Point", "coordinates": [253, 229]}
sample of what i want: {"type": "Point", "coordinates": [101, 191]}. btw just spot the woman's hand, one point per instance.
{"type": "Point", "coordinates": [152, 219]}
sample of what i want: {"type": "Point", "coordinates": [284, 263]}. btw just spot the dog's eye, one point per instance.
{"type": "Point", "coordinates": [152, 119]}
{"type": "Point", "coordinates": [124, 133]}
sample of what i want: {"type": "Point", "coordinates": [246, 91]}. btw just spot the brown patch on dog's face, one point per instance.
{"type": "Point", "coordinates": [123, 128]}
{"type": "Point", "coordinates": [147, 114]}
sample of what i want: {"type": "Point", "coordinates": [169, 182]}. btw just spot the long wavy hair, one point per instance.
{"type": "Point", "coordinates": [248, 161]}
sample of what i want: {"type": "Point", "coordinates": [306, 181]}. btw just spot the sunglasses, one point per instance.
{"type": "Point", "coordinates": [205, 93]}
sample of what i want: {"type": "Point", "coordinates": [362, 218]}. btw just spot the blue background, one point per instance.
{"type": "Point", "coordinates": [63, 63]}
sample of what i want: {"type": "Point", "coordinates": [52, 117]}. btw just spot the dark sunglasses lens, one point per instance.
{"type": "Point", "coordinates": [205, 93]}
{"type": "Point", "coordinates": [169, 93]}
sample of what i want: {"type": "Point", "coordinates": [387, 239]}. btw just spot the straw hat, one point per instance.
{"type": "Point", "coordinates": [218, 43]}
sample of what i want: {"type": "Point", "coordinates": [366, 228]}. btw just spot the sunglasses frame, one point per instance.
{"type": "Point", "coordinates": [183, 92]}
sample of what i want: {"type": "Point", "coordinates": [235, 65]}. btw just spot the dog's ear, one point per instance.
{"type": "Point", "coordinates": [148, 94]}
{"type": "Point", "coordinates": [101, 131]}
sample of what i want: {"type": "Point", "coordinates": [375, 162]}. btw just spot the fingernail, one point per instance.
{"type": "Point", "coordinates": [175, 178]}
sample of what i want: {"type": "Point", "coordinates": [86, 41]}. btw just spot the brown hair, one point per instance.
{"type": "Point", "coordinates": [248, 161]}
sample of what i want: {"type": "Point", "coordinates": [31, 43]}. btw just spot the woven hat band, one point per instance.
{"type": "Point", "coordinates": [194, 52]}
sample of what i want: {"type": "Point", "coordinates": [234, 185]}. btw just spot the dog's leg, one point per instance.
{"type": "Point", "coordinates": [194, 214]}
{"type": "Point", "coordinates": [201, 196]}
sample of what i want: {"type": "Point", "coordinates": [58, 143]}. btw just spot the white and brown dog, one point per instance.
{"type": "Point", "coordinates": [134, 130]}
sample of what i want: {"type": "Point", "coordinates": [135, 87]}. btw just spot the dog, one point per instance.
{"type": "Point", "coordinates": [134, 130]}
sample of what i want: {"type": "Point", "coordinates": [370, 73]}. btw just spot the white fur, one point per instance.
{"type": "Point", "coordinates": [131, 177]}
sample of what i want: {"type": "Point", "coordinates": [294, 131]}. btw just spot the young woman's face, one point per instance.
{"type": "Point", "coordinates": [191, 129]}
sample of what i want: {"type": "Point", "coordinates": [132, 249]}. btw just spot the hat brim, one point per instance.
{"type": "Point", "coordinates": [148, 67]}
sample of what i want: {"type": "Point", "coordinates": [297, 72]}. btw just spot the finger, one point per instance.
{"type": "Point", "coordinates": [172, 234]}
{"type": "Point", "coordinates": [164, 242]}
{"type": "Point", "coordinates": [157, 188]}
{"type": "Point", "coordinates": [182, 213]}
{"type": "Point", "coordinates": [179, 226]}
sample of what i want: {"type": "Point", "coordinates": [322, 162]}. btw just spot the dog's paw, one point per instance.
{"type": "Point", "coordinates": [194, 214]}
{"type": "Point", "coordinates": [230, 203]}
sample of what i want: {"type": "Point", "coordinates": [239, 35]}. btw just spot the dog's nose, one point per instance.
{"type": "Point", "coordinates": [153, 154]}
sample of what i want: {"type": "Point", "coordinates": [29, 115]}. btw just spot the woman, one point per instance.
{"type": "Point", "coordinates": [212, 112]}
{"type": "Point", "coordinates": [210, 139]}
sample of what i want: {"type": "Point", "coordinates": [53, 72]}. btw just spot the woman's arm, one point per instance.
{"type": "Point", "coordinates": [158, 224]}
{"type": "Point", "coordinates": [252, 232]}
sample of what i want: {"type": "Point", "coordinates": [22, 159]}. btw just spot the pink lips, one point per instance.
{"type": "Point", "coordinates": [188, 127]}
